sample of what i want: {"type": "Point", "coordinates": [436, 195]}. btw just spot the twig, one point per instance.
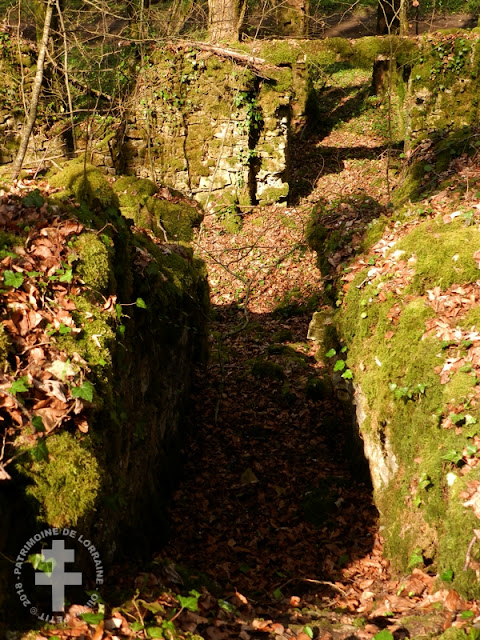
{"type": "Point", "coordinates": [78, 83]}
{"type": "Point", "coordinates": [17, 402]}
{"type": "Point", "coordinates": [328, 584]}
{"type": "Point", "coordinates": [469, 549]}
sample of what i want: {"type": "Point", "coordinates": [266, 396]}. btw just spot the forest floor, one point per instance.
{"type": "Point", "coordinates": [274, 534]}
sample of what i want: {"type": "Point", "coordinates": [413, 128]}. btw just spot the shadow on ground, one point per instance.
{"type": "Point", "coordinates": [268, 498]}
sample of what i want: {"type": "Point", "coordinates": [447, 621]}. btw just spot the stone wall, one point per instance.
{"type": "Point", "coordinates": [112, 480]}
{"type": "Point", "coordinates": [210, 128]}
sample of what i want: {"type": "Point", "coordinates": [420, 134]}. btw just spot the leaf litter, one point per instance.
{"type": "Point", "coordinates": [246, 559]}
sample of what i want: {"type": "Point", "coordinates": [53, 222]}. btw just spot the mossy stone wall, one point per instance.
{"type": "Point", "coordinates": [112, 483]}
{"type": "Point", "coordinates": [419, 427]}
{"type": "Point", "coordinates": [210, 128]}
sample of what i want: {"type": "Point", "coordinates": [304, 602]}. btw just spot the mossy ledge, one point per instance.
{"type": "Point", "coordinates": [422, 456]}
{"type": "Point", "coordinates": [113, 483]}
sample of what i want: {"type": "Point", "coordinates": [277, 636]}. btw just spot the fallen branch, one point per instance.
{"type": "Point", "coordinates": [259, 65]}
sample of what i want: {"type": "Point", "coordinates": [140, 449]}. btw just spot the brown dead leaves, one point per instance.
{"type": "Point", "coordinates": [37, 300]}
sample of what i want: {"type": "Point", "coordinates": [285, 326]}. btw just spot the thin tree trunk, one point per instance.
{"type": "Point", "coordinates": [223, 20]}
{"type": "Point", "coordinates": [37, 87]}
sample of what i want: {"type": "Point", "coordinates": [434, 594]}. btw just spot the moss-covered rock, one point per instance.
{"type": "Point", "coordinates": [86, 183]}
{"type": "Point", "coordinates": [419, 461]}
{"type": "Point", "coordinates": [4, 347]}
{"type": "Point", "coordinates": [94, 263]}
{"type": "Point", "coordinates": [111, 474]}
{"type": "Point", "coordinates": [139, 201]}
{"type": "Point", "coordinates": [67, 486]}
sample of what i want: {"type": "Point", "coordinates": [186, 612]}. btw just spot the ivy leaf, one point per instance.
{"type": "Point", "coordinates": [12, 279]}
{"type": "Point", "coordinates": [188, 602]}
{"type": "Point", "coordinates": [40, 452]}
{"type": "Point", "coordinates": [136, 626]}
{"type": "Point", "coordinates": [348, 375]}
{"type": "Point", "coordinates": [169, 626]}
{"type": "Point", "coordinates": [153, 607]}
{"type": "Point", "coordinates": [63, 329]}
{"type": "Point", "coordinates": [277, 594]}
{"type": "Point", "coordinates": [38, 562]}
{"type": "Point", "coordinates": [415, 559]}
{"type": "Point", "coordinates": [330, 353]}
{"type": "Point", "coordinates": [452, 456]}
{"type": "Point", "coordinates": [141, 303]}
{"type": "Point", "coordinates": [37, 422]}
{"type": "Point", "coordinates": [447, 576]}
{"type": "Point", "coordinates": [339, 365]}
{"type": "Point", "coordinates": [85, 391]}
{"type": "Point", "coordinates": [92, 618]}
{"type": "Point", "coordinates": [33, 199]}
{"type": "Point", "coordinates": [67, 276]}
{"type": "Point", "coordinates": [19, 386]}
{"type": "Point", "coordinates": [308, 631]}
{"type": "Point", "coordinates": [384, 634]}
{"type": "Point", "coordinates": [155, 632]}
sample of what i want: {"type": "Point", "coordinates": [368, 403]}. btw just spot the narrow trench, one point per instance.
{"type": "Point", "coordinates": [268, 500]}
{"type": "Point", "coordinates": [272, 503]}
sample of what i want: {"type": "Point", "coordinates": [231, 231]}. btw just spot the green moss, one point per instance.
{"type": "Point", "coordinates": [96, 342]}
{"type": "Point", "coordinates": [444, 254]}
{"type": "Point", "coordinates": [282, 81]}
{"type": "Point", "coordinates": [282, 335]}
{"type": "Point", "coordinates": [4, 347]}
{"type": "Point", "coordinates": [261, 368]}
{"type": "Point", "coordinates": [280, 52]}
{"type": "Point", "coordinates": [406, 402]}
{"type": "Point", "coordinates": [471, 319]}
{"type": "Point", "coordinates": [94, 265]}
{"type": "Point", "coordinates": [459, 388]}
{"type": "Point", "coordinates": [273, 194]}
{"type": "Point", "coordinates": [86, 183]}
{"type": "Point", "coordinates": [366, 50]}
{"type": "Point", "coordinates": [179, 220]}
{"type": "Point", "coordinates": [341, 46]}
{"type": "Point", "coordinates": [138, 201]}
{"type": "Point", "coordinates": [231, 220]}
{"type": "Point", "coordinates": [373, 233]}
{"type": "Point", "coordinates": [459, 525]}
{"type": "Point", "coordinates": [453, 634]}
{"type": "Point", "coordinates": [133, 197]}
{"type": "Point", "coordinates": [67, 485]}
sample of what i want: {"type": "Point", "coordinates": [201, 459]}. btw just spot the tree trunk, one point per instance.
{"type": "Point", "coordinates": [292, 17]}
{"type": "Point", "coordinates": [223, 20]}
{"type": "Point", "coordinates": [37, 87]}
{"type": "Point", "coordinates": [403, 18]}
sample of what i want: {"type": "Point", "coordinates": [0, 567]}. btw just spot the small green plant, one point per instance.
{"type": "Point", "coordinates": [253, 117]}
{"type": "Point", "coordinates": [416, 559]}
{"type": "Point", "coordinates": [407, 393]}
{"type": "Point", "coordinates": [12, 279]}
